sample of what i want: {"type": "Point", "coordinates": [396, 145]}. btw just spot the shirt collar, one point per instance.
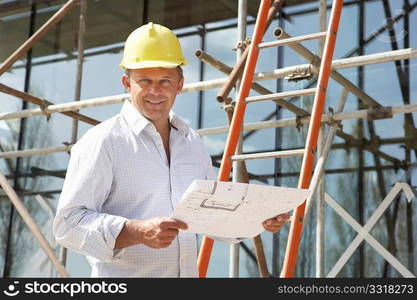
{"type": "Point", "coordinates": [137, 122]}
{"type": "Point", "coordinates": [178, 123]}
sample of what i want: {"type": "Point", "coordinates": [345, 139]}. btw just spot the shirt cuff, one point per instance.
{"type": "Point", "coordinates": [114, 226]}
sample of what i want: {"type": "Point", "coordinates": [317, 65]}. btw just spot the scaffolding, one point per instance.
{"type": "Point", "coordinates": [369, 110]}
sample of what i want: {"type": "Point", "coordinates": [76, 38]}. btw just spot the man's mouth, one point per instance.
{"type": "Point", "coordinates": [154, 102]}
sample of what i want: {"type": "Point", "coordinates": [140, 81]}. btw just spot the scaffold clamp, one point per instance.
{"type": "Point", "coordinates": [44, 107]}
{"type": "Point", "coordinates": [331, 121]}
{"type": "Point", "coordinates": [379, 113]}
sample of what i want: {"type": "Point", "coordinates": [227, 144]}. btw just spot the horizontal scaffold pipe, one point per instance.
{"type": "Point", "coordinates": [217, 83]}
{"type": "Point", "coordinates": [360, 114]}
{"type": "Point", "coordinates": [63, 107]}
{"type": "Point", "coordinates": [343, 63]}
{"type": "Point", "coordinates": [32, 152]}
{"type": "Point", "coordinates": [43, 103]}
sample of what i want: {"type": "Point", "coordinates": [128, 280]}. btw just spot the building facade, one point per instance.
{"type": "Point", "coordinates": [368, 156]}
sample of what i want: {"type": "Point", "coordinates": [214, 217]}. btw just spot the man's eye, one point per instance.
{"type": "Point", "coordinates": [165, 82]}
{"type": "Point", "coordinates": [144, 81]}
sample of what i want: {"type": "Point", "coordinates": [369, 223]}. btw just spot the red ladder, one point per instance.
{"type": "Point", "coordinates": [312, 135]}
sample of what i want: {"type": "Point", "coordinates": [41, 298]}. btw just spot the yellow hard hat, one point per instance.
{"type": "Point", "coordinates": [152, 46]}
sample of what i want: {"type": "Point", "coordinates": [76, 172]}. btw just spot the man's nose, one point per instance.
{"type": "Point", "coordinates": [155, 88]}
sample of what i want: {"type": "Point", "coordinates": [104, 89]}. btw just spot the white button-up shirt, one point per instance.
{"type": "Point", "coordinates": [117, 171]}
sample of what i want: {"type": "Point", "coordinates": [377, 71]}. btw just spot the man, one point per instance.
{"type": "Point", "coordinates": [127, 174]}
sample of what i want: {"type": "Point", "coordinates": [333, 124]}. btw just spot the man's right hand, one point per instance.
{"type": "Point", "coordinates": [158, 232]}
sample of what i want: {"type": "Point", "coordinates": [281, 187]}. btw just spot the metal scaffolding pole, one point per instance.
{"type": "Point", "coordinates": [239, 168]}
{"type": "Point", "coordinates": [237, 121]}
{"type": "Point", "coordinates": [200, 105]}
{"type": "Point", "coordinates": [77, 97]}
{"type": "Point", "coordinates": [192, 87]}
{"type": "Point", "coordinates": [284, 72]}
{"type": "Point", "coordinates": [294, 238]}
{"type": "Point", "coordinates": [65, 107]}
{"type": "Point", "coordinates": [25, 214]}
{"type": "Point", "coordinates": [361, 157]}
{"type": "Point", "coordinates": [360, 114]}
{"type": "Point", "coordinates": [44, 103]}
{"type": "Point", "coordinates": [320, 221]}
{"type": "Point", "coordinates": [32, 152]}
{"type": "Point", "coordinates": [403, 79]}
{"type": "Point", "coordinates": [20, 146]}
{"type": "Point", "coordinates": [238, 69]}
{"type": "Point", "coordinates": [80, 61]}
{"type": "Point", "coordinates": [408, 9]}
{"type": "Point", "coordinates": [28, 44]}
{"type": "Point", "coordinates": [255, 86]}
{"type": "Point", "coordinates": [319, 168]}
{"type": "Point", "coordinates": [315, 61]}
{"type": "Point", "coordinates": [385, 55]}
{"type": "Point", "coordinates": [265, 177]}
{"type": "Point", "coordinates": [410, 236]}
{"type": "Point", "coordinates": [276, 237]}
{"type": "Point", "coordinates": [23, 193]}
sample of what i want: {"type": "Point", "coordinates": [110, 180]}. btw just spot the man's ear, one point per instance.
{"type": "Point", "coordinates": [126, 82]}
{"type": "Point", "coordinates": [180, 85]}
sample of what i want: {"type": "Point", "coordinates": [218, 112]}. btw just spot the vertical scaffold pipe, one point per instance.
{"type": "Point", "coordinates": [237, 121]}
{"type": "Point", "coordinates": [294, 237]}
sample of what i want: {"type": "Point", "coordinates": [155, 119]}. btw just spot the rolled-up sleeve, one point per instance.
{"type": "Point", "coordinates": [79, 223]}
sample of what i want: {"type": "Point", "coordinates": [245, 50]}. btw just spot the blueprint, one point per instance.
{"type": "Point", "coordinates": [234, 210]}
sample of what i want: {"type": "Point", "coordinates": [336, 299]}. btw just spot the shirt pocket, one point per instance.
{"type": "Point", "coordinates": [186, 173]}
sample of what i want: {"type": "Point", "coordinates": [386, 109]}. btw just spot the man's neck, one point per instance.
{"type": "Point", "coordinates": [163, 128]}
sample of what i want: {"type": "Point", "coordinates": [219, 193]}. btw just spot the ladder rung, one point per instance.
{"type": "Point", "coordinates": [292, 40]}
{"type": "Point", "coordinates": [286, 153]}
{"type": "Point", "coordinates": [281, 95]}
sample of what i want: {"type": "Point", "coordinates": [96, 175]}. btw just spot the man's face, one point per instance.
{"type": "Point", "coordinates": [153, 91]}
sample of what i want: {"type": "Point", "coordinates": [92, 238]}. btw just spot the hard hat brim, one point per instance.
{"type": "Point", "coordinates": [151, 64]}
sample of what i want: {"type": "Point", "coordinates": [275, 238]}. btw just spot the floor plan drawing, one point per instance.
{"type": "Point", "coordinates": [234, 210]}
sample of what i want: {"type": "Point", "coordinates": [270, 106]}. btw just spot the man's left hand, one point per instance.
{"type": "Point", "coordinates": [274, 224]}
